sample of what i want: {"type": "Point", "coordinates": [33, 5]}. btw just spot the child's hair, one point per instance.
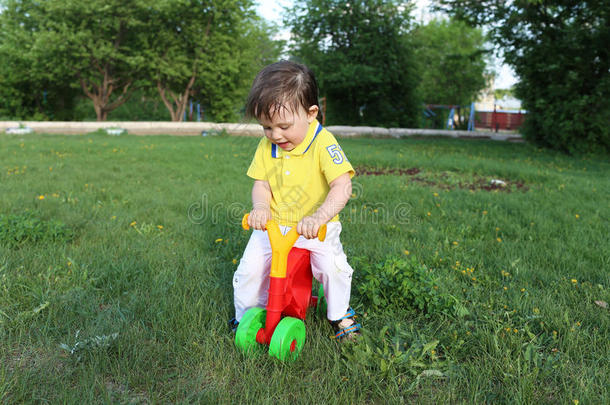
{"type": "Point", "coordinates": [282, 85]}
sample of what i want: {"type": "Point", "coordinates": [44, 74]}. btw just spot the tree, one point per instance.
{"type": "Point", "coordinates": [362, 57]}
{"type": "Point", "coordinates": [559, 49]}
{"type": "Point", "coordinates": [99, 43]}
{"type": "Point", "coordinates": [203, 49]}
{"type": "Point", "coordinates": [451, 59]}
{"type": "Point", "coordinates": [26, 91]}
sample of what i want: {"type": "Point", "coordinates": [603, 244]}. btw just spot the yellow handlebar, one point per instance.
{"type": "Point", "coordinates": [244, 224]}
{"type": "Point", "coordinates": [281, 244]}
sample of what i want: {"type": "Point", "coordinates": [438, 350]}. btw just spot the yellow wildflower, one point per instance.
{"type": "Point", "coordinates": [218, 240]}
{"type": "Point", "coordinates": [499, 240]}
{"type": "Point", "coordinates": [523, 290]}
{"type": "Point", "coordinates": [574, 281]}
{"type": "Point", "coordinates": [133, 223]}
{"type": "Point", "coordinates": [435, 194]}
{"type": "Point", "coordinates": [484, 212]}
{"type": "Point", "coordinates": [407, 252]}
{"type": "Point", "coordinates": [234, 261]}
{"type": "Point", "coordinates": [41, 197]}
{"type": "Point", "coordinates": [455, 243]}
{"type": "Point", "coordinates": [505, 288]}
{"type": "Point", "coordinates": [429, 214]}
{"type": "Point", "coordinates": [160, 227]}
{"type": "Point", "coordinates": [577, 216]}
{"type": "Point", "coordinates": [515, 330]}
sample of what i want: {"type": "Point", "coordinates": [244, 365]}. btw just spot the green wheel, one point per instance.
{"type": "Point", "coordinates": [321, 305]}
{"type": "Point", "coordinates": [245, 336]}
{"type": "Point", "coordinates": [288, 339]}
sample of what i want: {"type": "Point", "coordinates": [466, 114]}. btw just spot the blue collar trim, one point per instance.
{"type": "Point", "coordinates": [314, 137]}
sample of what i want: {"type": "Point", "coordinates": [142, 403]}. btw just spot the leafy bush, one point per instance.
{"type": "Point", "coordinates": [400, 283]}
{"type": "Point", "coordinates": [18, 229]}
{"type": "Point", "coordinates": [398, 354]}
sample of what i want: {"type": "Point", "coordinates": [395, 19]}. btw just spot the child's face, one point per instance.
{"type": "Point", "coordinates": [287, 128]}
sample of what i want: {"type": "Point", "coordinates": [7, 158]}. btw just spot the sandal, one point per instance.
{"type": "Point", "coordinates": [233, 324]}
{"type": "Point", "coordinates": [346, 326]}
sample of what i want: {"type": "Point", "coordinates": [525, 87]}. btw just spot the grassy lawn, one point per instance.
{"type": "Point", "coordinates": [117, 254]}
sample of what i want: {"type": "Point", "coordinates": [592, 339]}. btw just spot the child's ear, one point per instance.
{"type": "Point", "coordinates": [312, 113]}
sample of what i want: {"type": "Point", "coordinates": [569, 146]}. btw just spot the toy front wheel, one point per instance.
{"type": "Point", "coordinates": [251, 322]}
{"type": "Point", "coordinates": [288, 339]}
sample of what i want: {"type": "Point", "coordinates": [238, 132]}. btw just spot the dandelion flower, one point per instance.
{"type": "Point", "coordinates": [484, 212]}
{"type": "Point", "coordinates": [133, 223]}
{"type": "Point", "coordinates": [234, 261]}
{"type": "Point", "coordinates": [407, 252]}
{"type": "Point", "coordinates": [505, 288]}
{"type": "Point", "coordinates": [429, 214]}
{"type": "Point", "coordinates": [455, 243]}
{"type": "Point", "coordinates": [160, 227]}
{"type": "Point", "coordinates": [574, 281]}
{"type": "Point", "coordinates": [523, 290]}
{"type": "Point", "coordinates": [435, 194]}
{"type": "Point", "coordinates": [218, 240]}
{"type": "Point", "coordinates": [577, 216]}
{"type": "Point", "coordinates": [516, 330]}
{"type": "Point", "coordinates": [499, 240]}
{"type": "Point", "coordinates": [497, 229]}
{"type": "Point", "coordinates": [41, 197]}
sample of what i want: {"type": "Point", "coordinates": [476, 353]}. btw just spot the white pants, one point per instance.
{"type": "Point", "coordinates": [328, 264]}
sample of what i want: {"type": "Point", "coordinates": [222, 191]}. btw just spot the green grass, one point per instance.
{"type": "Point", "coordinates": [124, 238]}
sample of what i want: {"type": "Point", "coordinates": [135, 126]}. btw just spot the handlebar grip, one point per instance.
{"type": "Point", "coordinates": [244, 222]}
{"type": "Point", "coordinates": [322, 233]}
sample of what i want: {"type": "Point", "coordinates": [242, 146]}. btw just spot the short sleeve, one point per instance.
{"type": "Point", "coordinates": [257, 167]}
{"type": "Point", "coordinates": [333, 161]}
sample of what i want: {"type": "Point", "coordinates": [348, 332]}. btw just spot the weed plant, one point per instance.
{"type": "Point", "coordinates": [117, 288]}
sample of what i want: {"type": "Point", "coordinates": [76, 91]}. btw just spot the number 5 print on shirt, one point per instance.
{"type": "Point", "coordinates": [335, 153]}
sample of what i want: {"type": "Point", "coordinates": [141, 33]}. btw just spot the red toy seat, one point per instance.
{"type": "Point", "coordinates": [298, 283]}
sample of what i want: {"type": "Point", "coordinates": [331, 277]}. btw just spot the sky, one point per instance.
{"type": "Point", "coordinates": [272, 11]}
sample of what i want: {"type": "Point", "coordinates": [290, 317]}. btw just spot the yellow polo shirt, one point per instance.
{"type": "Point", "coordinates": [300, 178]}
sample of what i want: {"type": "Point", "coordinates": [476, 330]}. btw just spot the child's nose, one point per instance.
{"type": "Point", "coordinates": [276, 135]}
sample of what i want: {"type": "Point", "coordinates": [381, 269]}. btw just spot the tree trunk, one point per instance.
{"type": "Point", "coordinates": [100, 95]}
{"type": "Point", "coordinates": [177, 105]}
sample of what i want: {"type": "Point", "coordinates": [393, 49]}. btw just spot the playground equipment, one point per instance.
{"type": "Point", "coordinates": [280, 325]}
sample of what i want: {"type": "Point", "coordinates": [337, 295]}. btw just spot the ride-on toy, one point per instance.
{"type": "Point", "coordinates": [280, 325]}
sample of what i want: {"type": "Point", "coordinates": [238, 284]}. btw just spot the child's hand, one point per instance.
{"type": "Point", "coordinates": [259, 217]}
{"type": "Point", "coordinates": [309, 226]}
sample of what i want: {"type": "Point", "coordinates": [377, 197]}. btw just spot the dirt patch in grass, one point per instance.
{"type": "Point", "coordinates": [447, 180]}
